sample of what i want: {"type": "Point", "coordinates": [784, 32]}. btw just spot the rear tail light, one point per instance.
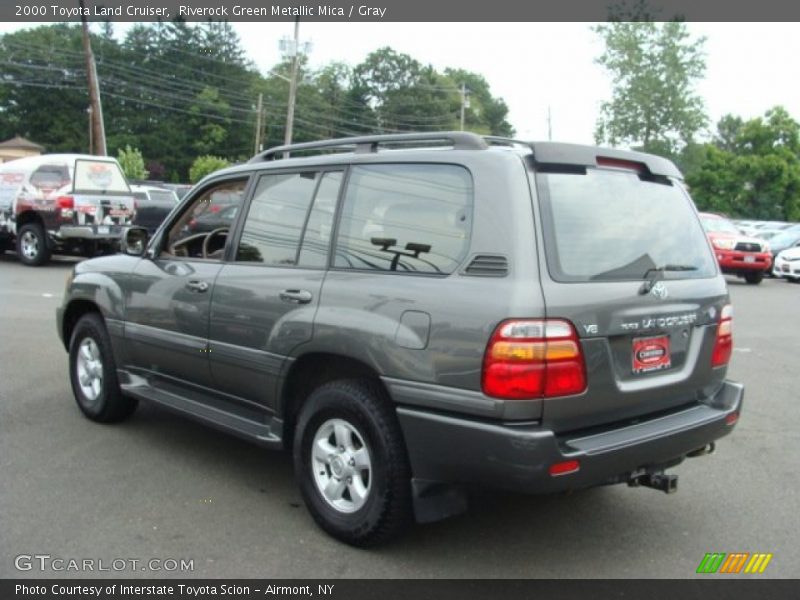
{"type": "Point", "coordinates": [533, 358]}
{"type": "Point", "coordinates": [723, 345]}
{"type": "Point", "coordinates": [65, 202]}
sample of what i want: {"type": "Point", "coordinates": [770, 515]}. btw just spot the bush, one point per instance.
{"type": "Point", "coordinates": [203, 165]}
{"type": "Point", "coordinates": [132, 163]}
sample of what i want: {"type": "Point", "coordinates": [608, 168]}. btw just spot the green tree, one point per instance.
{"type": "Point", "coordinates": [654, 67]}
{"type": "Point", "coordinates": [205, 165]}
{"type": "Point", "coordinates": [752, 170]}
{"type": "Point", "coordinates": [485, 114]}
{"type": "Point", "coordinates": [132, 163]}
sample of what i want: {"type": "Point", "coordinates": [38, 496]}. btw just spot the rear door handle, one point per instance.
{"type": "Point", "coordinates": [296, 296]}
{"type": "Point", "coordinates": [197, 286]}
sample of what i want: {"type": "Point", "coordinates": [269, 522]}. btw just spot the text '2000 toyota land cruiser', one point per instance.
{"type": "Point", "coordinates": [414, 313]}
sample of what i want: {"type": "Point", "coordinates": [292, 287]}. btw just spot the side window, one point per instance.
{"type": "Point", "coordinates": [406, 218]}
{"type": "Point", "coordinates": [275, 221]}
{"type": "Point", "coordinates": [202, 229]}
{"type": "Point", "coordinates": [317, 236]}
{"type": "Point", "coordinates": [48, 178]}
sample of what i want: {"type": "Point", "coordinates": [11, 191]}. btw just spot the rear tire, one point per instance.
{"type": "Point", "coordinates": [350, 463]}
{"type": "Point", "coordinates": [32, 247]}
{"type": "Point", "coordinates": [93, 373]}
{"type": "Point", "coordinates": [754, 278]}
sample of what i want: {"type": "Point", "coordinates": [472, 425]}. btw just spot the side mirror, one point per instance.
{"type": "Point", "coordinates": [134, 241]}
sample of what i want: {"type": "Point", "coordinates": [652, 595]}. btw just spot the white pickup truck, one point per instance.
{"type": "Point", "coordinates": [66, 203]}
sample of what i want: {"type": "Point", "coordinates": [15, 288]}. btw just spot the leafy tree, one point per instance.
{"type": "Point", "coordinates": [654, 67]}
{"type": "Point", "coordinates": [42, 98]}
{"type": "Point", "coordinates": [205, 165]}
{"type": "Point", "coordinates": [132, 163]}
{"type": "Point", "coordinates": [752, 170]}
{"type": "Point", "coordinates": [177, 91]}
{"type": "Point", "coordinates": [486, 114]}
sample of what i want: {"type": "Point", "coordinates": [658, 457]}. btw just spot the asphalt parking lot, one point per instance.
{"type": "Point", "coordinates": [159, 486]}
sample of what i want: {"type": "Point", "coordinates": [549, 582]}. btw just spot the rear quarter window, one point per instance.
{"type": "Point", "coordinates": [405, 218]}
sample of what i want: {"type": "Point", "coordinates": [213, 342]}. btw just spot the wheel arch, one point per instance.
{"type": "Point", "coordinates": [76, 309]}
{"type": "Point", "coordinates": [310, 371]}
{"type": "Point", "coordinates": [26, 217]}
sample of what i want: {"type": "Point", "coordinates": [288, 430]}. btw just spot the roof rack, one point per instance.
{"type": "Point", "coordinates": [459, 140]}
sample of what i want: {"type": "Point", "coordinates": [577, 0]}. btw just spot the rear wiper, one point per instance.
{"type": "Point", "coordinates": [654, 274]}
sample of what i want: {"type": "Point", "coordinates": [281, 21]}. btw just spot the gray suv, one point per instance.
{"type": "Point", "coordinates": [413, 314]}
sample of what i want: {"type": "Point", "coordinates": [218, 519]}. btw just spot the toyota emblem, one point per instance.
{"type": "Point", "coordinates": [659, 290]}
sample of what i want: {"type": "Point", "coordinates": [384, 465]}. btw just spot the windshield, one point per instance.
{"type": "Point", "coordinates": [785, 238]}
{"type": "Point", "coordinates": [612, 225]}
{"type": "Point", "coordinates": [718, 225]}
{"type": "Point", "coordinates": [163, 196]}
{"type": "Point", "coordinates": [95, 176]}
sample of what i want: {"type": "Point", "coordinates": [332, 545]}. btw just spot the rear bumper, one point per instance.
{"type": "Point", "coordinates": [89, 232]}
{"type": "Point", "coordinates": [446, 449]}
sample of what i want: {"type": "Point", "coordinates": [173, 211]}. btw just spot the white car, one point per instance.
{"type": "Point", "coordinates": [787, 264]}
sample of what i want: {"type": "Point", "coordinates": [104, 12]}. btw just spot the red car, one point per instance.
{"type": "Point", "coordinates": [737, 254]}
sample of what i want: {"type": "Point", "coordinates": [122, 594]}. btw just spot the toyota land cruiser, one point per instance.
{"type": "Point", "coordinates": [410, 314]}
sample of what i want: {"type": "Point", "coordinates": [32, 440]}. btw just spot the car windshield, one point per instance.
{"type": "Point", "coordinates": [614, 225]}
{"type": "Point", "coordinates": [718, 225]}
{"type": "Point", "coordinates": [785, 238]}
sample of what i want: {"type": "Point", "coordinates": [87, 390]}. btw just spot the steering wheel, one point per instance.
{"type": "Point", "coordinates": [210, 236]}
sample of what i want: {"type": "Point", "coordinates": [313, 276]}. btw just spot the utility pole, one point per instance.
{"type": "Point", "coordinates": [91, 130]}
{"type": "Point", "coordinates": [259, 110]}
{"type": "Point", "coordinates": [98, 137]}
{"type": "Point", "coordinates": [292, 86]}
{"type": "Point", "coordinates": [464, 103]}
{"type": "Point", "coordinates": [549, 125]}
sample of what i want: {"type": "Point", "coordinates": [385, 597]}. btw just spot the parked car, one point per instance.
{"type": "Point", "coordinates": [180, 189]}
{"type": "Point", "coordinates": [737, 254]}
{"type": "Point", "coordinates": [69, 203]}
{"type": "Point", "coordinates": [786, 239]}
{"type": "Point", "coordinates": [152, 205]}
{"type": "Point", "coordinates": [767, 234]}
{"type": "Point", "coordinates": [787, 264]}
{"type": "Point", "coordinates": [465, 310]}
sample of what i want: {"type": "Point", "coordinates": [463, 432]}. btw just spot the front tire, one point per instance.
{"type": "Point", "coordinates": [32, 247]}
{"type": "Point", "coordinates": [93, 373]}
{"type": "Point", "coordinates": [350, 462]}
{"type": "Point", "coordinates": [754, 278]}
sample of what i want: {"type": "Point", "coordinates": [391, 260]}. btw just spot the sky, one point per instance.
{"type": "Point", "coordinates": [533, 66]}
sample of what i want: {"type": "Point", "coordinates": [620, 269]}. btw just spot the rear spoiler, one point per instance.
{"type": "Point", "coordinates": [577, 155]}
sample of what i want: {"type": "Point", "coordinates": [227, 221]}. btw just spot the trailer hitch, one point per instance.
{"type": "Point", "coordinates": [667, 483]}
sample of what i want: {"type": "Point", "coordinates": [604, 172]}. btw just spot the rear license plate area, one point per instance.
{"type": "Point", "coordinates": [651, 354]}
{"type": "Point", "coordinates": [749, 259]}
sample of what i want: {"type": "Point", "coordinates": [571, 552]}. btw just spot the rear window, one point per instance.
{"type": "Point", "coordinates": [612, 225]}
{"type": "Point", "coordinates": [94, 176]}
